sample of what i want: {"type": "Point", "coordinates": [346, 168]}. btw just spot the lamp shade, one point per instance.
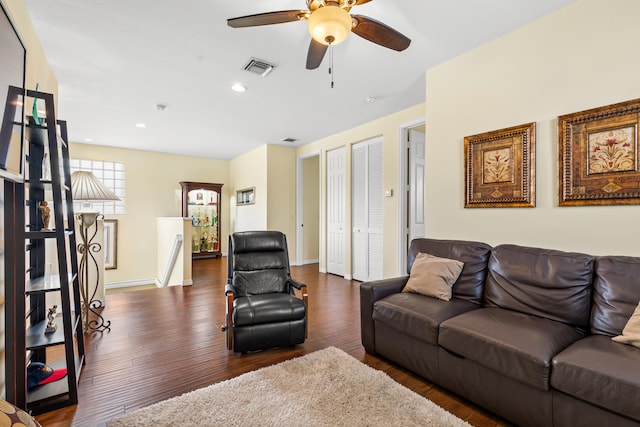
{"type": "Point", "coordinates": [85, 186]}
{"type": "Point", "coordinates": [330, 25]}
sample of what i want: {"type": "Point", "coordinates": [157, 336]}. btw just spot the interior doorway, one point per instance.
{"type": "Point", "coordinates": [412, 187]}
{"type": "Point", "coordinates": [336, 210]}
{"type": "Point", "coordinates": [308, 209]}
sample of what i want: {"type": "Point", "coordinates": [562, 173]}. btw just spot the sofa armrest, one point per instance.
{"type": "Point", "coordinates": [370, 292]}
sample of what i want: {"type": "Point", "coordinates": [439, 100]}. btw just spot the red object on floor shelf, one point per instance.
{"type": "Point", "coordinates": [40, 374]}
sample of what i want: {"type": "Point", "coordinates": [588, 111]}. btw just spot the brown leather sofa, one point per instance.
{"type": "Point", "coordinates": [526, 334]}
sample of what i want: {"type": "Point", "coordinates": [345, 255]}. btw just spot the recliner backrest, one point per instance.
{"type": "Point", "coordinates": [258, 262]}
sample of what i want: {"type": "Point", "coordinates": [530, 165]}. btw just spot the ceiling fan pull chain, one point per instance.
{"type": "Point", "coordinates": [331, 66]}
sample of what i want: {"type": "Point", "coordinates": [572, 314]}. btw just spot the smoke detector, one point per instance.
{"type": "Point", "coordinates": [258, 66]}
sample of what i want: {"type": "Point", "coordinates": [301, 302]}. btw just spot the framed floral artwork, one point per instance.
{"type": "Point", "coordinates": [598, 156]}
{"type": "Point", "coordinates": [500, 168]}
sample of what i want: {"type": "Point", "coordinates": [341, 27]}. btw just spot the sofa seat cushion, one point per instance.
{"type": "Point", "coordinates": [602, 372]}
{"type": "Point", "coordinates": [267, 308]}
{"type": "Point", "coordinates": [517, 345]}
{"type": "Point", "coordinates": [417, 315]}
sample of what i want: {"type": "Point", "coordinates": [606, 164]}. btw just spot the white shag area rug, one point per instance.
{"type": "Point", "coordinates": [324, 388]}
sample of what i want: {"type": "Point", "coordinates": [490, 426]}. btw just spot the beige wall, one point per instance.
{"type": "Point", "coordinates": [281, 193]}
{"type": "Point", "coordinates": [249, 170]}
{"type": "Point", "coordinates": [389, 129]}
{"type": "Point", "coordinates": [153, 190]}
{"type": "Point", "coordinates": [580, 57]}
{"type": "Point", "coordinates": [271, 170]}
{"type": "Point", "coordinates": [38, 69]}
{"type": "Point", "coordinates": [311, 209]}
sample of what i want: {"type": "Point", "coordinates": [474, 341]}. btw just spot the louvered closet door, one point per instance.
{"type": "Point", "coordinates": [366, 210]}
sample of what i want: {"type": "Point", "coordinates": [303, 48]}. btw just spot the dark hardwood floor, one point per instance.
{"type": "Point", "coordinates": [167, 341]}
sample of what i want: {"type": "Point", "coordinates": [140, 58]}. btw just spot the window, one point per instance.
{"type": "Point", "coordinates": [112, 176]}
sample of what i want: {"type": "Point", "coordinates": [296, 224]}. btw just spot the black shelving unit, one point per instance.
{"type": "Point", "coordinates": [26, 277]}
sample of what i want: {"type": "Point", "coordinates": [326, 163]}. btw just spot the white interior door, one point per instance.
{"type": "Point", "coordinates": [335, 211]}
{"type": "Point", "coordinates": [416, 185]}
{"type": "Point", "coordinates": [367, 213]}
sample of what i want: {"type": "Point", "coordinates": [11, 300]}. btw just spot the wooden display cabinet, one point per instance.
{"type": "Point", "coordinates": [201, 203]}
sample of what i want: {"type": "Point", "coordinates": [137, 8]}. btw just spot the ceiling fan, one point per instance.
{"type": "Point", "coordinates": [329, 23]}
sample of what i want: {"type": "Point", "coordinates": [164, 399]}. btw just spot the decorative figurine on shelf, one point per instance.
{"type": "Point", "coordinates": [45, 213]}
{"type": "Point", "coordinates": [51, 326]}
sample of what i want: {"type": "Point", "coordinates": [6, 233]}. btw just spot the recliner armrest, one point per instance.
{"type": "Point", "coordinates": [297, 285]}
{"type": "Point", "coordinates": [229, 288]}
{"type": "Point", "coordinates": [229, 292]}
{"type": "Point", "coordinates": [305, 297]}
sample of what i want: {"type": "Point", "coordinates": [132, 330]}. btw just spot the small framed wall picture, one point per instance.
{"type": "Point", "coordinates": [245, 196]}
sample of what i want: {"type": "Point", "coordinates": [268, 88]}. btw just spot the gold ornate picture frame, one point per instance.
{"type": "Point", "coordinates": [500, 168]}
{"type": "Point", "coordinates": [598, 156]}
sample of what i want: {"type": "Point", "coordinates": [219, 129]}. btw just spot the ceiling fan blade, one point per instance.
{"type": "Point", "coordinates": [359, 2]}
{"type": "Point", "coordinates": [315, 55]}
{"type": "Point", "coordinates": [267, 18]}
{"type": "Point", "coordinates": [379, 33]}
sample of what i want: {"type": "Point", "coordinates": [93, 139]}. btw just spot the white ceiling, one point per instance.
{"type": "Point", "coordinates": [116, 59]}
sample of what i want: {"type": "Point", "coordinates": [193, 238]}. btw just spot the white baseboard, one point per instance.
{"type": "Point", "coordinates": [322, 270]}
{"type": "Point", "coordinates": [184, 283]}
{"type": "Point", "coordinates": [347, 277]}
{"type": "Point", "coordinates": [116, 285]}
{"type": "Point", "coordinates": [311, 261]}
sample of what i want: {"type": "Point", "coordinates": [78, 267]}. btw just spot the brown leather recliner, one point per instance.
{"type": "Point", "coordinates": [263, 310]}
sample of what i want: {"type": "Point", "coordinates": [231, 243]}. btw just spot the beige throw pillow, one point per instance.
{"type": "Point", "coordinates": [631, 332]}
{"type": "Point", "coordinates": [433, 276]}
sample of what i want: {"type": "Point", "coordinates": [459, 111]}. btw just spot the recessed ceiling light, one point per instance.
{"type": "Point", "coordinates": [88, 139]}
{"type": "Point", "coordinates": [141, 125]}
{"type": "Point", "coordinates": [238, 87]}
{"type": "Point", "coordinates": [371, 99]}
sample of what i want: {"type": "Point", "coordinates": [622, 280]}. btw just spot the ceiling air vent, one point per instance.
{"type": "Point", "coordinates": [259, 66]}
{"type": "Point", "coordinates": [289, 140]}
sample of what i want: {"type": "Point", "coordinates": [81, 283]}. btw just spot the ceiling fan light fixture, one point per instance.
{"type": "Point", "coordinates": [330, 25]}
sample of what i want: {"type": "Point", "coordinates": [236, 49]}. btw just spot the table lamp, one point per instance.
{"type": "Point", "coordinates": [85, 187]}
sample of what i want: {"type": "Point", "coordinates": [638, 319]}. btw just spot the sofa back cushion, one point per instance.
{"type": "Point", "coordinates": [542, 282]}
{"type": "Point", "coordinates": [474, 255]}
{"type": "Point", "coordinates": [616, 292]}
